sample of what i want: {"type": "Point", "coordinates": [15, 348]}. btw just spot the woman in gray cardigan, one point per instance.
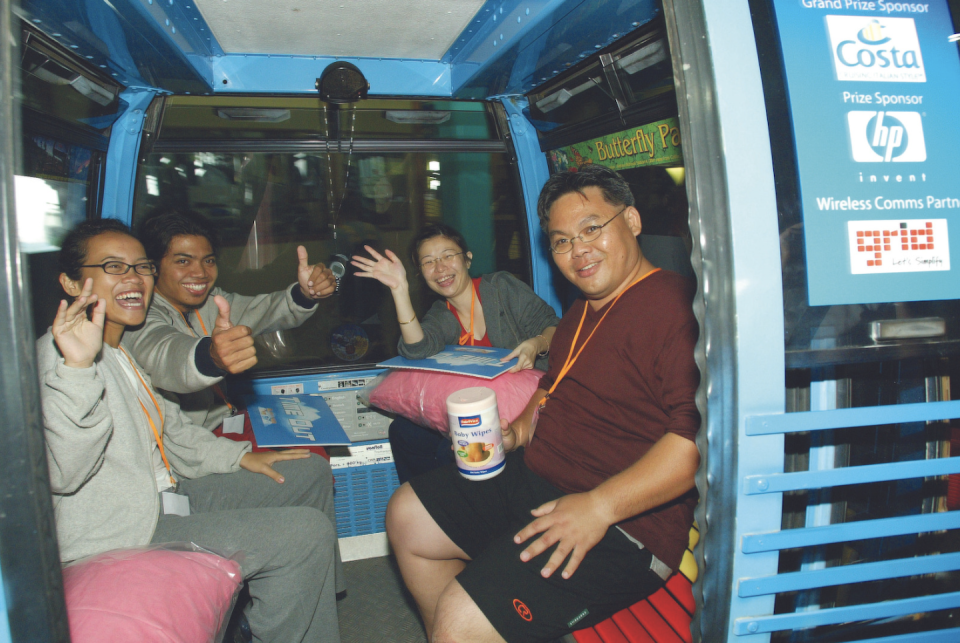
{"type": "Point", "coordinates": [127, 469]}
{"type": "Point", "coordinates": [493, 310]}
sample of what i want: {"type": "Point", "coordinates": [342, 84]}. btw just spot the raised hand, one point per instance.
{"type": "Point", "coordinates": [316, 281]}
{"type": "Point", "coordinates": [232, 346]}
{"type": "Point", "coordinates": [262, 462]}
{"type": "Point", "coordinates": [78, 338]}
{"type": "Point", "coordinates": [388, 269]}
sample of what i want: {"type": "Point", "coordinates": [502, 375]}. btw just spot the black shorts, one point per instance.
{"type": "Point", "coordinates": [482, 517]}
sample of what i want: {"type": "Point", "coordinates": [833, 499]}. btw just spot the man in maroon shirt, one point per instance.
{"type": "Point", "coordinates": [602, 458]}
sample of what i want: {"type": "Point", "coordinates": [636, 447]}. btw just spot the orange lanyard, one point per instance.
{"type": "Point", "coordinates": [216, 387]}
{"type": "Point", "coordinates": [468, 336]}
{"type": "Point", "coordinates": [158, 435]}
{"type": "Point", "coordinates": [571, 358]}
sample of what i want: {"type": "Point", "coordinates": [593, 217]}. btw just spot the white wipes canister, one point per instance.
{"type": "Point", "coordinates": [475, 431]}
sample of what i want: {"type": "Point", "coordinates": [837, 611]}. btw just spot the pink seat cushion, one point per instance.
{"type": "Point", "coordinates": [150, 596]}
{"type": "Point", "coordinates": [421, 396]}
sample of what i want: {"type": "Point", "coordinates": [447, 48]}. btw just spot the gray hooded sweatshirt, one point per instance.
{"type": "Point", "coordinates": [99, 451]}
{"type": "Point", "coordinates": [512, 311]}
{"type": "Point", "coordinates": [166, 346]}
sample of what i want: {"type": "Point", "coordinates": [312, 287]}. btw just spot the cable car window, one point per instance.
{"type": "Point", "coordinates": [266, 204]}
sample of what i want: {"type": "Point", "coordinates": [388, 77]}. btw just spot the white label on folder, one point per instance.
{"type": "Point", "coordinates": [233, 424]}
{"type": "Point", "coordinates": [362, 456]}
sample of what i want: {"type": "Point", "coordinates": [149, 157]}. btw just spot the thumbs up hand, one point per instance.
{"type": "Point", "coordinates": [316, 281]}
{"type": "Point", "coordinates": [232, 346]}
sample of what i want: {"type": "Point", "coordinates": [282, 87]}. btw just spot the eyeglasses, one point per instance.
{"type": "Point", "coordinates": [590, 233]}
{"type": "Point", "coordinates": [119, 268]}
{"type": "Point", "coordinates": [431, 264]}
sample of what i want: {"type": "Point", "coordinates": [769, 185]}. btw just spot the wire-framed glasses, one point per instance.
{"type": "Point", "coordinates": [146, 268]}
{"type": "Point", "coordinates": [446, 259]}
{"type": "Point", "coordinates": [563, 245]}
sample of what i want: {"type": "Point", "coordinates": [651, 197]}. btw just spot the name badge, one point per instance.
{"type": "Point", "coordinates": [175, 504]}
{"type": "Point", "coordinates": [233, 424]}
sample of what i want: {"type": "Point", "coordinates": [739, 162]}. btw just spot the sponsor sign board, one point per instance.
{"type": "Point", "coordinates": [873, 92]}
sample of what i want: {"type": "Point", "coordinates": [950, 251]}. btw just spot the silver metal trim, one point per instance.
{"type": "Point", "coordinates": [715, 309]}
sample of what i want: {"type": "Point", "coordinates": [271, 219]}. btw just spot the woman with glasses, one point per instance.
{"type": "Point", "coordinates": [496, 309]}
{"type": "Point", "coordinates": [128, 469]}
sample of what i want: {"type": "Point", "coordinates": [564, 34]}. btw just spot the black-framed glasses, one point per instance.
{"type": "Point", "coordinates": [430, 264]}
{"type": "Point", "coordinates": [590, 233]}
{"type": "Point", "coordinates": [146, 268]}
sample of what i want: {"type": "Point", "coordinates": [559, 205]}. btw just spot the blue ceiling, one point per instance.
{"type": "Point", "coordinates": [510, 47]}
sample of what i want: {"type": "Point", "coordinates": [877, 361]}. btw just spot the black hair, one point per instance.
{"type": "Point", "coordinates": [435, 230]}
{"type": "Point", "coordinates": [158, 230]}
{"type": "Point", "coordinates": [615, 190]}
{"type": "Point", "coordinates": [73, 251]}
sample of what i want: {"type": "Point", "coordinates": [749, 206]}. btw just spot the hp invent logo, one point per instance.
{"type": "Point", "coordinates": [884, 137]}
{"type": "Point", "coordinates": [876, 49]}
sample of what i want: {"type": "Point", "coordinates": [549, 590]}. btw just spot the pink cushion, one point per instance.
{"type": "Point", "coordinates": [150, 596]}
{"type": "Point", "coordinates": [421, 396]}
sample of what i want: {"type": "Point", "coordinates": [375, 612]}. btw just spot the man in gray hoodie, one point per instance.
{"type": "Point", "coordinates": [195, 333]}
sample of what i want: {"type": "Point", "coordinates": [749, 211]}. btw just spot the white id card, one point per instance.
{"type": "Point", "coordinates": [174, 503]}
{"type": "Point", "coordinates": [233, 424]}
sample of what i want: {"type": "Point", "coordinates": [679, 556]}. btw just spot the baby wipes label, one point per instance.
{"type": "Point", "coordinates": [479, 443]}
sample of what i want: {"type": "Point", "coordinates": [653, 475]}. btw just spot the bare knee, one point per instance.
{"type": "Point", "coordinates": [401, 509]}
{"type": "Point", "coordinates": [459, 620]}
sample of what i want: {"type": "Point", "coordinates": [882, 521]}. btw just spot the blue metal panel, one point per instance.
{"type": "Point", "coordinates": [886, 609]}
{"type": "Point", "coordinates": [768, 424]}
{"type": "Point", "coordinates": [756, 285]}
{"type": "Point", "coordinates": [511, 46]}
{"type": "Point", "coordinates": [938, 636]}
{"type": "Point", "coordinates": [532, 164]}
{"type": "Point", "coordinates": [121, 166]}
{"type": "Point", "coordinates": [791, 538]}
{"type": "Point", "coordinates": [779, 483]}
{"type": "Point", "coordinates": [860, 573]}
{"type": "Point", "coordinates": [137, 42]}
{"type": "Point", "coordinates": [298, 74]}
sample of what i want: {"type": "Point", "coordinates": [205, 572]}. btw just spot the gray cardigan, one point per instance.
{"type": "Point", "coordinates": [99, 452]}
{"type": "Point", "coordinates": [166, 346]}
{"type": "Point", "coordinates": [512, 311]}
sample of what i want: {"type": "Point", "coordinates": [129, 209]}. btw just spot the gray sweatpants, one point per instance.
{"type": "Point", "coordinates": [288, 534]}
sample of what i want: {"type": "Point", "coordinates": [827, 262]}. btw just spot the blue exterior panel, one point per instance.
{"type": "Point", "coordinates": [847, 418]}
{"type": "Point", "coordinates": [844, 532]}
{"type": "Point", "coordinates": [121, 166]}
{"type": "Point", "coordinates": [886, 609]}
{"type": "Point", "coordinates": [511, 46]}
{"type": "Point", "coordinates": [137, 42]}
{"type": "Point", "coordinates": [757, 289]}
{"type": "Point", "coordinates": [843, 574]}
{"type": "Point", "coordinates": [532, 164]}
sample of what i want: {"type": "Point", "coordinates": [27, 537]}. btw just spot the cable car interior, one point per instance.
{"type": "Point", "coordinates": [829, 496]}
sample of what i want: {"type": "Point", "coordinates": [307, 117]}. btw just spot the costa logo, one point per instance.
{"type": "Point", "coordinates": [470, 420]}
{"type": "Point", "coordinates": [876, 49]}
{"type": "Point", "coordinates": [522, 610]}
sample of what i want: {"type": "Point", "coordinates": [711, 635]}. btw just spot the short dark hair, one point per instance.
{"type": "Point", "coordinates": [73, 251]}
{"type": "Point", "coordinates": [616, 191]}
{"type": "Point", "coordinates": [435, 230]}
{"type": "Point", "coordinates": [158, 230]}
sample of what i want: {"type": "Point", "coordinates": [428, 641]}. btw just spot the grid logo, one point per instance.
{"type": "Point", "coordinates": [885, 137]}
{"type": "Point", "coordinates": [876, 49]}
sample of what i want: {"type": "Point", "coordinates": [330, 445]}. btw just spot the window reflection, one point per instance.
{"type": "Point", "coordinates": [266, 204]}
